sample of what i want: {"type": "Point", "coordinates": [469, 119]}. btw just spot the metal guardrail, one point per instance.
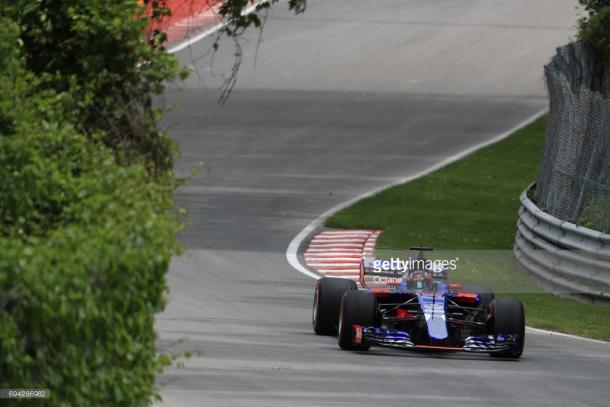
{"type": "Point", "coordinates": [570, 259]}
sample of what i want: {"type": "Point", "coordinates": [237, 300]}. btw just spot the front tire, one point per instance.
{"type": "Point", "coordinates": [326, 303]}
{"type": "Point", "coordinates": [508, 317]}
{"type": "Point", "coordinates": [357, 308]}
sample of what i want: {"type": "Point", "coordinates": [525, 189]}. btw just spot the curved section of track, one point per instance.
{"type": "Point", "coordinates": [338, 253]}
{"type": "Point", "coordinates": [351, 96]}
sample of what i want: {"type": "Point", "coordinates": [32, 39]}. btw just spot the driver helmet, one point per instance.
{"type": "Point", "coordinates": [418, 279]}
{"type": "Point", "coordinates": [439, 273]}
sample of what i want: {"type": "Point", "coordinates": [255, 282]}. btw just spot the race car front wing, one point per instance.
{"type": "Point", "coordinates": [402, 340]}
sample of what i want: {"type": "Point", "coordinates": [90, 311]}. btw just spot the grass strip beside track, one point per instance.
{"type": "Point", "coordinates": [471, 205]}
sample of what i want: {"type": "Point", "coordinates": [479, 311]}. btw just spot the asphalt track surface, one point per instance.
{"type": "Point", "coordinates": [351, 96]}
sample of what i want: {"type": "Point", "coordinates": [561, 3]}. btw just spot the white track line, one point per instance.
{"type": "Point", "coordinates": [292, 251]}
{"type": "Point", "coordinates": [208, 32]}
{"type": "Point", "coordinates": [294, 245]}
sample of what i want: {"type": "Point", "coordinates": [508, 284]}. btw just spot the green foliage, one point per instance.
{"type": "Point", "coordinates": [595, 27]}
{"type": "Point", "coordinates": [84, 246]}
{"type": "Point", "coordinates": [80, 303]}
{"type": "Point", "coordinates": [596, 213]}
{"type": "Point", "coordinates": [10, 69]}
{"type": "Point", "coordinates": [595, 31]}
{"type": "Point", "coordinates": [96, 51]}
{"type": "Point", "coordinates": [236, 23]}
{"type": "Point", "coordinates": [231, 10]}
{"type": "Point", "coordinates": [472, 204]}
{"type": "Point", "coordinates": [87, 217]}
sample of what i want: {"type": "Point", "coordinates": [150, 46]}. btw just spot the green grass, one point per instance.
{"type": "Point", "coordinates": [469, 208]}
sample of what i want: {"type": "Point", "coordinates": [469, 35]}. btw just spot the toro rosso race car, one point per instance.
{"type": "Point", "coordinates": [416, 308]}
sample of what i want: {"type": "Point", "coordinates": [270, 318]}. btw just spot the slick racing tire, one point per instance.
{"type": "Point", "coordinates": [357, 308]}
{"type": "Point", "coordinates": [508, 317]}
{"type": "Point", "coordinates": [326, 303]}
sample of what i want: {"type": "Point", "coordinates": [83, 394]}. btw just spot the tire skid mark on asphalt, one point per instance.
{"type": "Point", "coordinates": [338, 252]}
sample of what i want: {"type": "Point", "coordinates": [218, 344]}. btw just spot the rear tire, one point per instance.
{"type": "Point", "coordinates": [357, 308]}
{"type": "Point", "coordinates": [508, 317]}
{"type": "Point", "coordinates": [326, 303]}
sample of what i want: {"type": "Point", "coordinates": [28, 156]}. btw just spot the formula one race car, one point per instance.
{"type": "Point", "coordinates": [416, 308]}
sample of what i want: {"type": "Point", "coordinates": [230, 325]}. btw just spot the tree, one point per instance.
{"type": "Point", "coordinates": [87, 216]}
{"type": "Point", "coordinates": [595, 31]}
{"type": "Point", "coordinates": [95, 50]}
